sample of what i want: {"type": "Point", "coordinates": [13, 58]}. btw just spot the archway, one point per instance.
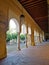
{"type": "Point", "coordinates": [29, 36]}
{"type": "Point", "coordinates": [23, 36]}
{"type": "Point", "coordinates": [38, 38]}
{"type": "Point", "coordinates": [35, 36]}
{"type": "Point", "coordinates": [41, 39]}
{"type": "Point", "coordinates": [12, 35]}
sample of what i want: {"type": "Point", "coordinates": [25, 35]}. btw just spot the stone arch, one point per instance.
{"type": "Point", "coordinates": [35, 36]}
{"type": "Point", "coordinates": [14, 22]}
{"type": "Point", "coordinates": [23, 33]}
{"type": "Point", "coordinates": [40, 37]}
{"type": "Point", "coordinates": [13, 30]}
{"type": "Point", "coordinates": [29, 30]}
{"type": "Point", "coordinates": [23, 29]}
{"type": "Point", "coordinates": [29, 36]}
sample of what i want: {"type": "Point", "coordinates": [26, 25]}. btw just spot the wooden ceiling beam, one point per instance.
{"type": "Point", "coordinates": [25, 2]}
{"type": "Point", "coordinates": [35, 4]}
{"type": "Point", "coordinates": [31, 7]}
{"type": "Point", "coordinates": [22, 0]}
{"type": "Point", "coordinates": [43, 17]}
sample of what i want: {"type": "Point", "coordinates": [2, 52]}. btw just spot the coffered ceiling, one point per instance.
{"type": "Point", "coordinates": [38, 9]}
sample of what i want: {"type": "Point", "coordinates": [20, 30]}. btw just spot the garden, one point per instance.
{"type": "Point", "coordinates": [13, 36]}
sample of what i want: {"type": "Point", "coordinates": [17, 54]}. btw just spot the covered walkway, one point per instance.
{"type": "Point", "coordinates": [33, 55]}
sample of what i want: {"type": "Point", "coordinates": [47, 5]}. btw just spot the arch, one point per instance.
{"type": "Point", "coordinates": [29, 30]}
{"type": "Point", "coordinates": [41, 37]}
{"type": "Point", "coordinates": [23, 29]}
{"type": "Point", "coordinates": [38, 37]}
{"type": "Point", "coordinates": [13, 25]}
{"type": "Point", "coordinates": [29, 37]}
{"type": "Point", "coordinates": [12, 35]}
{"type": "Point", "coordinates": [35, 33]}
{"type": "Point", "coordinates": [23, 35]}
{"type": "Point", "coordinates": [35, 36]}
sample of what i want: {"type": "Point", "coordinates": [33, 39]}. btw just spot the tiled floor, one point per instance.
{"type": "Point", "coordinates": [36, 55]}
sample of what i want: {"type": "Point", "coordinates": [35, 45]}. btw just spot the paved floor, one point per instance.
{"type": "Point", "coordinates": [13, 47]}
{"type": "Point", "coordinates": [34, 55]}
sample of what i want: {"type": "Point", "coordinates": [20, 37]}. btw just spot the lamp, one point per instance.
{"type": "Point", "coordinates": [22, 17]}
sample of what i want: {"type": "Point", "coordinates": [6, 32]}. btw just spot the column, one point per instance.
{"type": "Point", "coordinates": [32, 38]}
{"type": "Point", "coordinates": [26, 41]}
{"type": "Point", "coordinates": [18, 39]}
{"type": "Point", "coordinates": [26, 37]}
{"type": "Point", "coordinates": [3, 52]}
{"type": "Point", "coordinates": [39, 38]}
{"type": "Point", "coordinates": [29, 39]}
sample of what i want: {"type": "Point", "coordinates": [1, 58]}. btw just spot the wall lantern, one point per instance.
{"type": "Point", "coordinates": [22, 18]}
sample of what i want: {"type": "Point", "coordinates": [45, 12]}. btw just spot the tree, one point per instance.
{"type": "Point", "coordinates": [22, 37]}
{"type": "Point", "coordinates": [14, 35]}
{"type": "Point", "coordinates": [8, 36]}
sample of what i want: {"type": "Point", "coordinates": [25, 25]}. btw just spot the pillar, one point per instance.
{"type": "Point", "coordinates": [3, 53]}
{"type": "Point", "coordinates": [29, 39]}
{"type": "Point", "coordinates": [18, 39]}
{"type": "Point", "coordinates": [26, 37]}
{"type": "Point", "coordinates": [32, 38]}
{"type": "Point", "coordinates": [39, 38]}
{"type": "Point", "coordinates": [26, 41]}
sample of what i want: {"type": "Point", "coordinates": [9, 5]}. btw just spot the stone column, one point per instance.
{"type": "Point", "coordinates": [32, 38]}
{"type": "Point", "coordinates": [3, 52]}
{"type": "Point", "coordinates": [18, 39]}
{"type": "Point", "coordinates": [39, 38]}
{"type": "Point", "coordinates": [26, 36]}
{"type": "Point", "coordinates": [29, 39]}
{"type": "Point", "coordinates": [26, 41]}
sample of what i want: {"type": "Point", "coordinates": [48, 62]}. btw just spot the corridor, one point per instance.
{"type": "Point", "coordinates": [33, 55]}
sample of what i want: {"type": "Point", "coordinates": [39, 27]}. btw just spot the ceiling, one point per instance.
{"type": "Point", "coordinates": [38, 9]}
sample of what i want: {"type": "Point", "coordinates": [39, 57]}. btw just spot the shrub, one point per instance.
{"type": "Point", "coordinates": [14, 35]}
{"type": "Point", "coordinates": [10, 36]}
{"type": "Point", "coordinates": [22, 37]}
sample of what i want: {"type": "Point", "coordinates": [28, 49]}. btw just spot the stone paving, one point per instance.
{"type": "Point", "coordinates": [13, 47]}
{"type": "Point", "coordinates": [33, 55]}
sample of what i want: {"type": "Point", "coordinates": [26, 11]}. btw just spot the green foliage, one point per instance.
{"type": "Point", "coordinates": [14, 35]}
{"type": "Point", "coordinates": [22, 37]}
{"type": "Point", "coordinates": [10, 36]}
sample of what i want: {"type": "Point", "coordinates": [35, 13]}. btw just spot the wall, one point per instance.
{"type": "Point", "coordinates": [13, 9]}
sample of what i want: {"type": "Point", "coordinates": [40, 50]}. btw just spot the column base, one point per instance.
{"type": "Point", "coordinates": [26, 45]}
{"type": "Point", "coordinates": [3, 56]}
{"type": "Point", "coordinates": [18, 49]}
